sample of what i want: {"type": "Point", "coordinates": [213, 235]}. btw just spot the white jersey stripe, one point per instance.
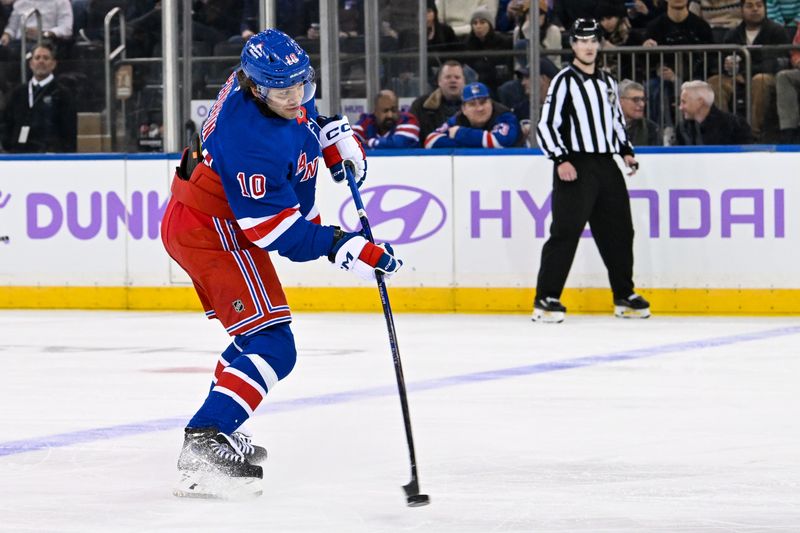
{"type": "Point", "coordinates": [249, 222]}
{"type": "Point", "coordinates": [267, 373]}
{"type": "Point", "coordinates": [313, 213]}
{"type": "Point", "coordinates": [413, 128]}
{"type": "Point", "coordinates": [279, 230]}
{"type": "Point", "coordinates": [260, 282]}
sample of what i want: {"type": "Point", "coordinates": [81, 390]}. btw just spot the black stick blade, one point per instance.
{"type": "Point", "coordinates": [413, 497]}
{"type": "Point", "coordinates": [418, 500]}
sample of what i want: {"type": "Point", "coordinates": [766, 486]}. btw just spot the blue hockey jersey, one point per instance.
{"type": "Point", "coordinates": [404, 135]}
{"type": "Point", "coordinates": [501, 131]}
{"type": "Point", "coordinates": [268, 169]}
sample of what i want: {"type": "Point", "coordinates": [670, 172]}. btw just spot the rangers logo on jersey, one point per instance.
{"type": "Point", "coordinates": [501, 128]}
{"type": "Point", "coordinates": [309, 169]}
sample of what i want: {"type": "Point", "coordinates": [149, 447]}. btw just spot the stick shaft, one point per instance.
{"type": "Point", "coordinates": [413, 487]}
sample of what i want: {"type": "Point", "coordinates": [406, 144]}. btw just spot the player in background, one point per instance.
{"type": "Point", "coordinates": [245, 188]}
{"type": "Point", "coordinates": [387, 126]}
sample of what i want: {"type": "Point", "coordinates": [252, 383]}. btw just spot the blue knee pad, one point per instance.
{"type": "Point", "coordinates": [274, 344]}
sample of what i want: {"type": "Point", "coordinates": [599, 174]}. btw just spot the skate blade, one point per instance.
{"type": "Point", "coordinates": [212, 486]}
{"type": "Point", "coordinates": [548, 317]}
{"type": "Point", "coordinates": [627, 312]}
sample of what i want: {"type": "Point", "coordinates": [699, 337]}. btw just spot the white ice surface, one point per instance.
{"type": "Point", "coordinates": [547, 435]}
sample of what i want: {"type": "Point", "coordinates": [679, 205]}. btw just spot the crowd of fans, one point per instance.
{"type": "Point", "coordinates": [672, 98]}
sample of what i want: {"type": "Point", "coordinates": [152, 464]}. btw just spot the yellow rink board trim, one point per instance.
{"type": "Point", "coordinates": [419, 299]}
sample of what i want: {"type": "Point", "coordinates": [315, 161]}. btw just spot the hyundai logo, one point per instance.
{"type": "Point", "coordinates": [398, 214]}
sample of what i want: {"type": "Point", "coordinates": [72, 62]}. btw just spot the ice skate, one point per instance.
{"type": "Point", "coordinates": [634, 306]}
{"type": "Point", "coordinates": [548, 310]}
{"type": "Point", "coordinates": [254, 453]}
{"type": "Point", "coordinates": [212, 466]}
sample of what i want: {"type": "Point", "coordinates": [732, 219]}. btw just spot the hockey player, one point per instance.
{"type": "Point", "coordinates": [387, 126]}
{"type": "Point", "coordinates": [248, 189]}
{"type": "Point", "coordinates": [481, 123]}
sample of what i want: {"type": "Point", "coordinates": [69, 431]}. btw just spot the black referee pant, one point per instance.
{"type": "Point", "coordinates": [599, 196]}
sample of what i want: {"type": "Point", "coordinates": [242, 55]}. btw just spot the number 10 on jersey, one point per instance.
{"type": "Point", "coordinates": [252, 187]}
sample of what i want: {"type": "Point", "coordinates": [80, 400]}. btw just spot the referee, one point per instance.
{"type": "Point", "coordinates": [581, 129]}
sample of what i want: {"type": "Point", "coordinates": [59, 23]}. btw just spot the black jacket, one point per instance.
{"type": "Point", "coordinates": [53, 120]}
{"type": "Point", "coordinates": [432, 110]}
{"type": "Point", "coordinates": [492, 70]}
{"type": "Point", "coordinates": [644, 132]}
{"type": "Point", "coordinates": [692, 31]}
{"type": "Point", "coordinates": [770, 33]}
{"type": "Point", "coordinates": [719, 127]}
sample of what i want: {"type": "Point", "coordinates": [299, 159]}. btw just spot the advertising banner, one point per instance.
{"type": "Point", "coordinates": [701, 221]}
{"type": "Point", "coordinates": [711, 220]}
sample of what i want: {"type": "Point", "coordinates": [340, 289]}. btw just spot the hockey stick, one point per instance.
{"type": "Point", "coordinates": [413, 496]}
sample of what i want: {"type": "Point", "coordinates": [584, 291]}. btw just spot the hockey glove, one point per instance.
{"type": "Point", "coordinates": [340, 145]}
{"type": "Point", "coordinates": [354, 253]}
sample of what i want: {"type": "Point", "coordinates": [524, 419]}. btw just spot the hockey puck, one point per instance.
{"type": "Point", "coordinates": [418, 500]}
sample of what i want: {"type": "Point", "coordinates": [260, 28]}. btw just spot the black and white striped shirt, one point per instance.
{"type": "Point", "coordinates": [582, 114]}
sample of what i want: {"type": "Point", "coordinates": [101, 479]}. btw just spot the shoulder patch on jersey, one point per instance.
{"type": "Point", "coordinates": [612, 95]}
{"type": "Point", "coordinates": [302, 115]}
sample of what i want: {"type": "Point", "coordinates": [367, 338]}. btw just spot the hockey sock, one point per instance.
{"type": "Point", "coordinates": [243, 384]}
{"type": "Point", "coordinates": [226, 358]}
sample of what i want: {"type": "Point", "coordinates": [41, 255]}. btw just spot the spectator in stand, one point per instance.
{"type": "Point", "coordinates": [41, 114]}
{"type": "Point", "coordinates": [458, 13]}
{"type": "Point", "coordinates": [387, 126]}
{"type": "Point", "coordinates": [6, 6]}
{"type": "Point", "coordinates": [786, 12]}
{"type": "Point", "coordinates": [217, 21]}
{"type": "Point", "coordinates": [481, 123]}
{"type": "Point", "coordinates": [614, 21]}
{"type": "Point", "coordinates": [521, 106]}
{"type": "Point", "coordinates": [704, 123]}
{"type": "Point", "coordinates": [506, 19]}
{"type": "Point", "coordinates": [787, 86]}
{"type": "Point", "coordinates": [294, 17]}
{"type": "Point", "coordinates": [492, 70]}
{"type": "Point", "coordinates": [434, 108]}
{"type": "Point", "coordinates": [754, 30]}
{"type": "Point", "coordinates": [441, 36]}
{"type": "Point", "coordinates": [549, 33]}
{"type": "Point", "coordinates": [642, 12]}
{"type": "Point", "coordinates": [641, 130]}
{"type": "Point", "coordinates": [675, 27]}
{"type": "Point", "coordinates": [721, 15]}
{"type": "Point", "coordinates": [617, 33]}
{"type": "Point", "coordinates": [144, 26]}
{"type": "Point", "coordinates": [56, 25]}
{"type": "Point", "coordinates": [516, 93]}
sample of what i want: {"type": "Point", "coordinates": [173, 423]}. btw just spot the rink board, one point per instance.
{"type": "Point", "coordinates": [715, 232]}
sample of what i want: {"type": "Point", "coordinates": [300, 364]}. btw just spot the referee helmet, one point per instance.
{"type": "Point", "coordinates": [585, 29]}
